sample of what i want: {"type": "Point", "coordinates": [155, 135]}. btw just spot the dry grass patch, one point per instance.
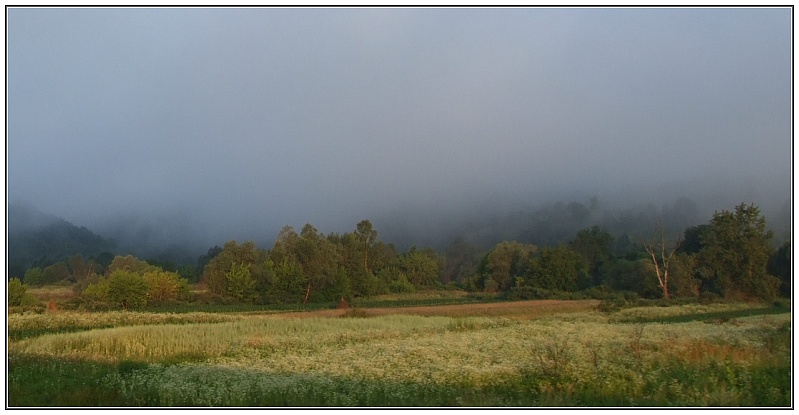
{"type": "Point", "coordinates": [51, 293]}
{"type": "Point", "coordinates": [514, 309]}
{"type": "Point", "coordinates": [700, 350]}
{"type": "Point", "coordinates": [421, 295]}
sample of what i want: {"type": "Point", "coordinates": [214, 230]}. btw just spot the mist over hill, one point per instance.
{"type": "Point", "coordinates": [39, 239]}
{"type": "Point", "coordinates": [179, 129]}
{"type": "Point", "coordinates": [36, 237]}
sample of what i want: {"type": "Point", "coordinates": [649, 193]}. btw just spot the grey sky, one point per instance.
{"type": "Point", "coordinates": [239, 121]}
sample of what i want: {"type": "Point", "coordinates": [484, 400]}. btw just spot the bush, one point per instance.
{"type": "Point", "coordinates": [18, 295]}
{"type": "Point", "coordinates": [537, 293]}
{"type": "Point", "coordinates": [482, 296]}
{"type": "Point", "coordinates": [165, 287]}
{"type": "Point", "coordinates": [709, 297]}
{"type": "Point", "coordinates": [782, 303]}
{"type": "Point", "coordinates": [34, 277]}
{"type": "Point", "coordinates": [401, 285]}
{"type": "Point", "coordinates": [618, 300]}
{"type": "Point", "coordinates": [528, 293]}
{"type": "Point", "coordinates": [87, 303]}
{"type": "Point", "coordinates": [33, 309]}
{"type": "Point", "coordinates": [127, 289]}
{"type": "Point", "coordinates": [600, 292]}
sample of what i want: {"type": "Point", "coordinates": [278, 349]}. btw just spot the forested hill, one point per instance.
{"type": "Point", "coordinates": [40, 239]}
{"type": "Point", "coordinates": [553, 223]}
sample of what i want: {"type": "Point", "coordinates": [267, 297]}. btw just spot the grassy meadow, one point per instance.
{"type": "Point", "coordinates": [532, 353]}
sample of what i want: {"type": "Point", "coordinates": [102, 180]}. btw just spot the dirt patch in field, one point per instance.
{"type": "Point", "coordinates": [514, 309]}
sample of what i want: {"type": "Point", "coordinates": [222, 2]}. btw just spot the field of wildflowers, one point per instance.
{"type": "Point", "coordinates": [583, 358]}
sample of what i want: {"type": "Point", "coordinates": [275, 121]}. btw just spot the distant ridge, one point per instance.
{"type": "Point", "coordinates": [41, 239]}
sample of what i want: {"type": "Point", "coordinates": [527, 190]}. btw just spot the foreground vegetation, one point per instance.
{"type": "Point", "coordinates": [569, 354]}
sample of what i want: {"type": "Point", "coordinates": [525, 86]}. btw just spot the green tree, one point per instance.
{"type": "Point", "coordinates": [18, 295]}
{"type": "Point", "coordinates": [34, 276]}
{"type": "Point", "coordinates": [96, 291]}
{"type": "Point", "coordinates": [127, 289]}
{"type": "Point", "coordinates": [506, 261]}
{"type": "Point", "coordinates": [735, 253]}
{"type": "Point", "coordinates": [367, 236]}
{"type": "Point", "coordinates": [165, 287]}
{"type": "Point", "coordinates": [351, 260]}
{"type": "Point", "coordinates": [631, 275]}
{"type": "Point", "coordinates": [217, 270]}
{"type": "Point", "coordinates": [559, 268]}
{"type": "Point", "coordinates": [130, 263]}
{"type": "Point", "coordinates": [318, 259]}
{"type": "Point", "coordinates": [692, 239]}
{"type": "Point", "coordinates": [204, 259]}
{"type": "Point", "coordinates": [288, 283]}
{"type": "Point", "coordinates": [780, 266]}
{"type": "Point", "coordinates": [595, 247]}
{"type": "Point", "coordinates": [684, 281]}
{"type": "Point", "coordinates": [284, 246]}
{"type": "Point", "coordinates": [77, 267]}
{"type": "Point", "coordinates": [240, 283]}
{"type": "Point", "coordinates": [421, 268]}
{"type": "Point", "coordinates": [55, 273]}
{"type": "Point", "coordinates": [401, 285]}
{"type": "Point", "coordinates": [103, 260]}
{"type": "Point", "coordinates": [461, 260]}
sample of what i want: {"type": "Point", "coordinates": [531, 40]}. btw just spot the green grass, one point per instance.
{"type": "Point", "coordinates": [413, 302]}
{"type": "Point", "coordinates": [40, 381]}
{"type": "Point", "coordinates": [719, 317]}
{"type": "Point", "coordinates": [23, 326]}
{"type": "Point", "coordinates": [36, 380]}
{"type": "Point", "coordinates": [718, 313]}
{"type": "Point", "coordinates": [237, 308]}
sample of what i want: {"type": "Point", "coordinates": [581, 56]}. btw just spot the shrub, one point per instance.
{"type": "Point", "coordinates": [18, 295]}
{"type": "Point", "coordinates": [97, 290]}
{"type": "Point", "coordinates": [82, 283]}
{"type": "Point", "coordinates": [127, 289]}
{"type": "Point", "coordinates": [709, 297]}
{"type": "Point", "coordinates": [401, 285]}
{"type": "Point", "coordinates": [482, 296]}
{"type": "Point", "coordinates": [528, 293]}
{"type": "Point", "coordinates": [34, 277]}
{"type": "Point", "coordinates": [87, 303]}
{"type": "Point", "coordinates": [782, 303]}
{"type": "Point", "coordinates": [165, 287]}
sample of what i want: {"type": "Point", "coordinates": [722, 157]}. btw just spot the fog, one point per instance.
{"type": "Point", "coordinates": [196, 126]}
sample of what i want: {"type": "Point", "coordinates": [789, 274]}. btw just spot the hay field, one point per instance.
{"type": "Point", "coordinates": [531, 353]}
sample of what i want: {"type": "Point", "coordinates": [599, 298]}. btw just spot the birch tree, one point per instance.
{"type": "Point", "coordinates": [661, 256]}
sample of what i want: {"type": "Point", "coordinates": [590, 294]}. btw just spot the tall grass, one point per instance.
{"type": "Point", "coordinates": [572, 359]}
{"type": "Point", "coordinates": [689, 312]}
{"type": "Point", "coordinates": [154, 343]}
{"type": "Point", "coordinates": [22, 326]}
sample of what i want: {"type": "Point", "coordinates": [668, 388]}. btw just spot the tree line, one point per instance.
{"type": "Point", "coordinates": [305, 267]}
{"type": "Point", "coordinates": [731, 256]}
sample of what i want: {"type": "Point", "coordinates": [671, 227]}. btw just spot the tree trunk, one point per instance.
{"type": "Point", "coordinates": [307, 293]}
{"type": "Point", "coordinates": [662, 272]}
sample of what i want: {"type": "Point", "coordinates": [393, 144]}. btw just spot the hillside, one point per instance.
{"type": "Point", "coordinates": [40, 239]}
